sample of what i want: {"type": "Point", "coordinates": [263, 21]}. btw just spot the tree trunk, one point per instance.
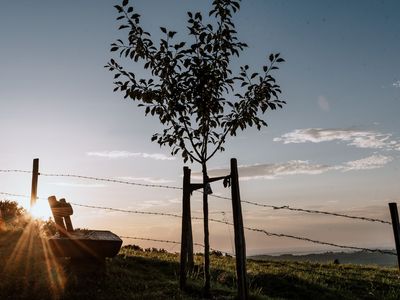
{"type": "Point", "coordinates": [207, 276]}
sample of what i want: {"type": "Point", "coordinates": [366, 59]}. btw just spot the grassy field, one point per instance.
{"type": "Point", "coordinates": [28, 271]}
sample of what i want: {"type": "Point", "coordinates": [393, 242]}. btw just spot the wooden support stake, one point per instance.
{"type": "Point", "coordinates": [185, 227]}
{"type": "Point", "coordinates": [58, 219]}
{"type": "Point", "coordinates": [396, 228]}
{"type": "Point", "coordinates": [207, 274]}
{"type": "Point", "coordinates": [189, 233]}
{"type": "Point", "coordinates": [67, 218]}
{"type": "Point", "coordinates": [35, 175]}
{"type": "Point", "coordinates": [240, 244]}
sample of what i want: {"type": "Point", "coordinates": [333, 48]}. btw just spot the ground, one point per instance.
{"type": "Point", "coordinates": [28, 271]}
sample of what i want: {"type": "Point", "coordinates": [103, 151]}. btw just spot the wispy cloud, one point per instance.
{"type": "Point", "coordinates": [323, 103]}
{"type": "Point", "coordinates": [367, 163]}
{"type": "Point", "coordinates": [300, 167]}
{"type": "Point", "coordinates": [160, 204]}
{"type": "Point", "coordinates": [272, 171]}
{"type": "Point", "coordinates": [125, 154]}
{"type": "Point", "coordinates": [396, 84]}
{"type": "Point", "coordinates": [357, 138]}
{"type": "Point", "coordinates": [146, 179]}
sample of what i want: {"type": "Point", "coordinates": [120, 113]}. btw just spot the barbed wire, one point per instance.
{"type": "Point", "coordinates": [251, 229]}
{"type": "Point", "coordinates": [249, 202]}
{"type": "Point", "coordinates": [304, 238]}
{"type": "Point", "coordinates": [14, 171]}
{"type": "Point", "coordinates": [247, 228]}
{"type": "Point", "coordinates": [312, 211]}
{"type": "Point", "coordinates": [14, 195]}
{"type": "Point", "coordinates": [111, 180]}
{"type": "Point", "coordinates": [321, 242]}
{"type": "Point", "coordinates": [230, 224]}
{"type": "Point", "coordinates": [149, 239]}
{"type": "Point", "coordinates": [168, 241]}
{"type": "Point", "coordinates": [285, 207]}
{"type": "Point", "coordinates": [129, 211]}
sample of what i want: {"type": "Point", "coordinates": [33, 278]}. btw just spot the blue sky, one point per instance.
{"type": "Point", "coordinates": [335, 145]}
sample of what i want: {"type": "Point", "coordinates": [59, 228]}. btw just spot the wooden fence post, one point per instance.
{"type": "Point", "coordinates": [189, 233]}
{"type": "Point", "coordinates": [240, 244]}
{"type": "Point", "coordinates": [35, 175]}
{"type": "Point", "coordinates": [396, 228]}
{"type": "Point", "coordinates": [186, 236]}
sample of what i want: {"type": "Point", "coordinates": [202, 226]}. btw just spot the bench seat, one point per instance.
{"type": "Point", "coordinates": [86, 243]}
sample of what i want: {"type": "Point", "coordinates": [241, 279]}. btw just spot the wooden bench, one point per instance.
{"type": "Point", "coordinates": [79, 243]}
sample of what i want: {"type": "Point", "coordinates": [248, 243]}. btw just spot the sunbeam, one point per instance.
{"type": "Point", "coordinates": [33, 258]}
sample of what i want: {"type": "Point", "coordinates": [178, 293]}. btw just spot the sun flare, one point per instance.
{"type": "Point", "coordinates": [41, 210]}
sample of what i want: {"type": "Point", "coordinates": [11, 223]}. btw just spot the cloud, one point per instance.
{"type": "Point", "coordinates": [272, 171]}
{"type": "Point", "coordinates": [323, 103]}
{"type": "Point", "coordinates": [396, 84]}
{"type": "Point", "coordinates": [125, 154]}
{"type": "Point", "coordinates": [357, 138]}
{"type": "Point", "coordinates": [160, 204]}
{"type": "Point", "coordinates": [367, 163]}
{"type": "Point", "coordinates": [300, 167]}
{"type": "Point", "coordinates": [146, 179]}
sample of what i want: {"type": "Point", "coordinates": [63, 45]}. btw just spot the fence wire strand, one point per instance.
{"type": "Point", "coordinates": [14, 195]}
{"type": "Point", "coordinates": [284, 207]}
{"type": "Point", "coordinates": [129, 211]}
{"type": "Point", "coordinates": [111, 180]}
{"type": "Point", "coordinates": [167, 241]}
{"type": "Point", "coordinates": [228, 223]}
{"type": "Point", "coordinates": [149, 239]}
{"type": "Point", "coordinates": [312, 211]}
{"type": "Point", "coordinates": [14, 171]}
{"type": "Point", "coordinates": [303, 238]}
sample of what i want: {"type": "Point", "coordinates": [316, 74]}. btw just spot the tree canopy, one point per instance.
{"type": "Point", "coordinates": [192, 88]}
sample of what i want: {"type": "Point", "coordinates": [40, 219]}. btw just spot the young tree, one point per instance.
{"type": "Point", "coordinates": [192, 88]}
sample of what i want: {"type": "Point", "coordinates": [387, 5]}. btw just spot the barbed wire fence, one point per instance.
{"type": "Point", "coordinates": [282, 207]}
{"type": "Point", "coordinates": [253, 229]}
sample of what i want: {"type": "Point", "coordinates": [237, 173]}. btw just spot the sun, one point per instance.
{"type": "Point", "coordinates": [41, 210]}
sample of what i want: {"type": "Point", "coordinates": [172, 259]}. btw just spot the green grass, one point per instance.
{"type": "Point", "coordinates": [154, 275]}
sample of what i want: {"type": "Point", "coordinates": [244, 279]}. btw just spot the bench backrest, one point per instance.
{"type": "Point", "coordinates": [61, 212]}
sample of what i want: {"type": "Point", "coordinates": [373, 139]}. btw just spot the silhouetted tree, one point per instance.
{"type": "Point", "coordinates": [191, 87]}
{"type": "Point", "coordinates": [11, 213]}
{"type": "Point", "coordinates": [48, 228]}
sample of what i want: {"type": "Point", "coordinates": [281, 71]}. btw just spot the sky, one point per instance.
{"type": "Point", "coordinates": [335, 146]}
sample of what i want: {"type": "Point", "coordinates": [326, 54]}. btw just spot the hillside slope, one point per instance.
{"type": "Point", "coordinates": [28, 271]}
{"type": "Point", "coordinates": [359, 257]}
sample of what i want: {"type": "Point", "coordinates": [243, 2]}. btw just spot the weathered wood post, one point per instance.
{"type": "Point", "coordinates": [58, 217]}
{"type": "Point", "coordinates": [35, 175]}
{"type": "Point", "coordinates": [396, 228]}
{"type": "Point", "coordinates": [186, 236]}
{"type": "Point", "coordinates": [240, 244]}
{"type": "Point", "coordinates": [67, 219]}
{"type": "Point", "coordinates": [189, 233]}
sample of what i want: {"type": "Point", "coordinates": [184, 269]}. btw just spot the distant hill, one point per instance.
{"type": "Point", "coordinates": [359, 258]}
